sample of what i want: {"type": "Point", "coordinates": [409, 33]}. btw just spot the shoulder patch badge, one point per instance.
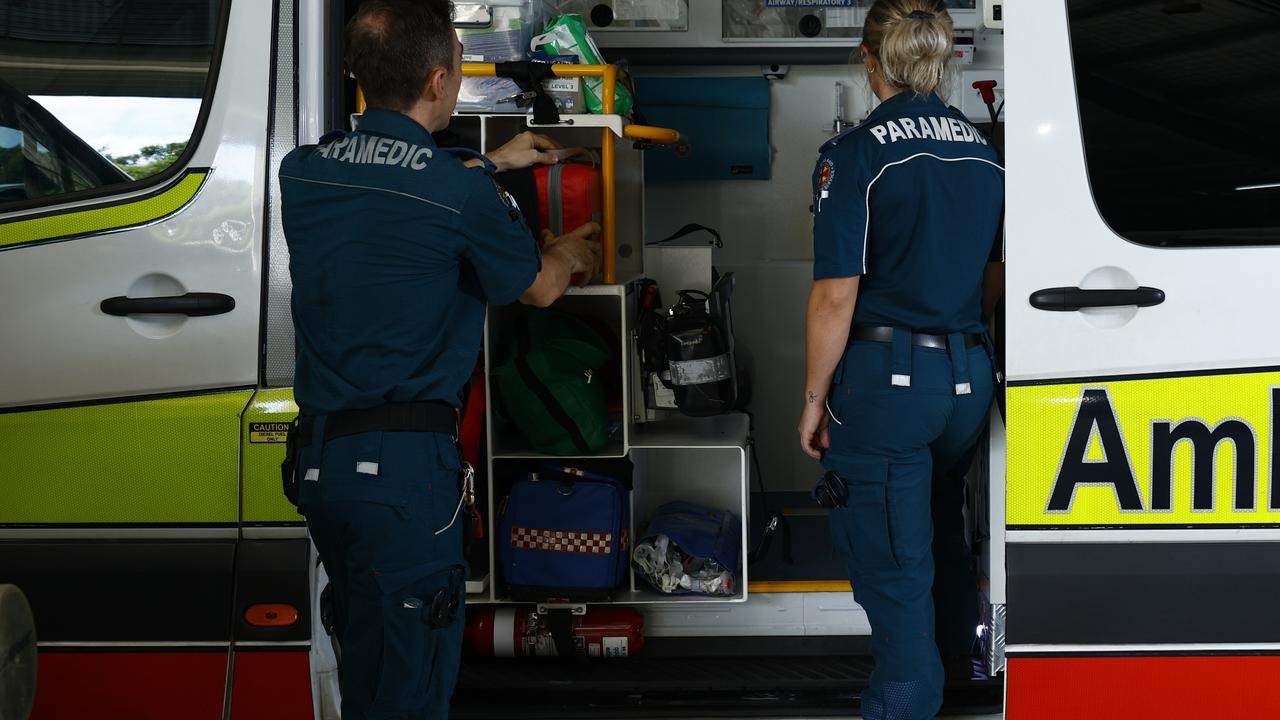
{"type": "Point", "coordinates": [826, 173]}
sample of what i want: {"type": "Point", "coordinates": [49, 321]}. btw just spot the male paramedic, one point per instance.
{"type": "Point", "coordinates": [396, 246]}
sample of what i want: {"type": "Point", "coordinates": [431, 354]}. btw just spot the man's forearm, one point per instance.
{"type": "Point", "coordinates": [553, 279]}
{"type": "Point", "coordinates": [827, 333]}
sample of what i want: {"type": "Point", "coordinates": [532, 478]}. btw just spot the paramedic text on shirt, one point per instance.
{"type": "Point", "coordinates": [396, 246]}
{"type": "Point", "coordinates": [907, 215]}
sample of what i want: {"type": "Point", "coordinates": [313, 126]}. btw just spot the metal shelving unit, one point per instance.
{"type": "Point", "coordinates": [697, 460]}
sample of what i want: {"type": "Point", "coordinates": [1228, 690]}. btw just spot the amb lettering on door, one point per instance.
{"type": "Point", "coordinates": [1152, 451]}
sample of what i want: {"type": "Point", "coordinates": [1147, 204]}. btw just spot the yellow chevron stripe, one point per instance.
{"type": "Point", "coordinates": [95, 220]}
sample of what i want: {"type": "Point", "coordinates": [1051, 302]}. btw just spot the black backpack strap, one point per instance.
{"type": "Point", "coordinates": [777, 522]}
{"type": "Point", "coordinates": [690, 229]}
{"type": "Point", "coordinates": [529, 76]}
{"type": "Point", "coordinates": [650, 326]}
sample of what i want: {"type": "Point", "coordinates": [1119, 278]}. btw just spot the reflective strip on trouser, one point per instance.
{"type": "Point", "coordinates": [889, 445]}
{"type": "Point", "coordinates": [959, 363]}
{"type": "Point", "coordinates": [391, 573]}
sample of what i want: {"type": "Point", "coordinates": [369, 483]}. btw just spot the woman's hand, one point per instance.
{"type": "Point", "coordinates": [814, 435]}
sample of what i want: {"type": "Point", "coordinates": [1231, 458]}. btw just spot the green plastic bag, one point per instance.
{"type": "Point", "coordinates": [567, 35]}
{"type": "Point", "coordinates": [548, 385]}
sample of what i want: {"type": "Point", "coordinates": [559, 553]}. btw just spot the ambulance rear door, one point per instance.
{"type": "Point", "coordinates": [1143, 503]}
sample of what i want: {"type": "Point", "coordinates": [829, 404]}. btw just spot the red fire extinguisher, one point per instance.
{"type": "Point", "coordinates": [521, 632]}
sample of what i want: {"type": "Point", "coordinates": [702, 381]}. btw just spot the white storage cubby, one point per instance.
{"type": "Point", "coordinates": [582, 131]}
{"type": "Point", "coordinates": [697, 460]}
{"type": "Point", "coordinates": [606, 308]}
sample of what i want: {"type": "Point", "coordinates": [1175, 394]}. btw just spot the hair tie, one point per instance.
{"type": "Point", "coordinates": [921, 15]}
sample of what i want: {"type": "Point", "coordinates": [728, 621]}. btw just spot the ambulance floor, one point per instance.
{"type": "Point", "coordinates": [800, 550]}
{"type": "Point", "coordinates": [661, 686]}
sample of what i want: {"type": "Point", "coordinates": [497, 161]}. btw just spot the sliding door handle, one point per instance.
{"type": "Point", "coordinates": [1067, 299]}
{"type": "Point", "coordinates": [194, 304]}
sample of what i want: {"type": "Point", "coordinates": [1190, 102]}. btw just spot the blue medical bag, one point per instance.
{"type": "Point", "coordinates": [565, 532]}
{"type": "Point", "coordinates": [709, 542]}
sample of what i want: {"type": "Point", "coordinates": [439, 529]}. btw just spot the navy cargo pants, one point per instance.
{"type": "Point", "coordinates": [382, 511]}
{"type": "Point", "coordinates": [892, 442]}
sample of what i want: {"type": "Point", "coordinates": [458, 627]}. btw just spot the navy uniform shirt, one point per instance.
{"type": "Point", "coordinates": [394, 248]}
{"type": "Point", "coordinates": [913, 200]}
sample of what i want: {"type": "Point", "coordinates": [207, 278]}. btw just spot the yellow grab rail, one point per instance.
{"type": "Point", "coordinates": [608, 73]}
{"type": "Point", "coordinates": [662, 136]}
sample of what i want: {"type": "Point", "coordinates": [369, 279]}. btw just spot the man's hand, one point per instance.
{"type": "Point", "coordinates": [524, 150]}
{"type": "Point", "coordinates": [575, 252]}
{"type": "Point", "coordinates": [814, 435]}
{"type": "Point", "coordinates": [580, 247]}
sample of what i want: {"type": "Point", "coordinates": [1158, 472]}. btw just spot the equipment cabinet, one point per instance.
{"type": "Point", "coordinates": [699, 460]}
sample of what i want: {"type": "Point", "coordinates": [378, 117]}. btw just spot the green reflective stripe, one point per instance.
{"type": "Point", "coordinates": [168, 460]}
{"type": "Point", "coordinates": [101, 219]}
{"type": "Point", "coordinates": [263, 451]}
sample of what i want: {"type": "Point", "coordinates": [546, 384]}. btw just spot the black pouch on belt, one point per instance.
{"type": "Point", "coordinates": [289, 468]}
{"type": "Point", "coordinates": [990, 347]}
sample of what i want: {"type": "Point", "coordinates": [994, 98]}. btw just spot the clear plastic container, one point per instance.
{"type": "Point", "coordinates": [495, 31]}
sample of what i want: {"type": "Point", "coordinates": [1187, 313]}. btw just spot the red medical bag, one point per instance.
{"type": "Point", "coordinates": [569, 196]}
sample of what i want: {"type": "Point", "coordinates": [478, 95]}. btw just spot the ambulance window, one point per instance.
{"type": "Point", "coordinates": [96, 96]}
{"type": "Point", "coordinates": [1178, 105]}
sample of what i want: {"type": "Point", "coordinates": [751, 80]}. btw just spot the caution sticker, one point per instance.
{"type": "Point", "coordinates": [269, 432]}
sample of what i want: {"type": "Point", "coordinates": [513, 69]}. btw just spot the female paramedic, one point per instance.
{"type": "Point", "coordinates": [907, 215]}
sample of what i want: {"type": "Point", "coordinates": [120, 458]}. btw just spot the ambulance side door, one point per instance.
{"type": "Point", "coordinates": [132, 165]}
{"type": "Point", "coordinates": [1143, 238]}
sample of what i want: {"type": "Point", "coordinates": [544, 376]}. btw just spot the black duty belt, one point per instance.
{"type": "Point", "coordinates": [392, 417]}
{"type": "Point", "coordinates": [884, 333]}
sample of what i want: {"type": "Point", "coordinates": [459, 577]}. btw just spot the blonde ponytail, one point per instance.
{"type": "Point", "coordinates": [912, 41]}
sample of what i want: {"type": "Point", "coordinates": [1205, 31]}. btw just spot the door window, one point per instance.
{"type": "Point", "coordinates": [96, 95]}
{"type": "Point", "coordinates": [1178, 106]}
